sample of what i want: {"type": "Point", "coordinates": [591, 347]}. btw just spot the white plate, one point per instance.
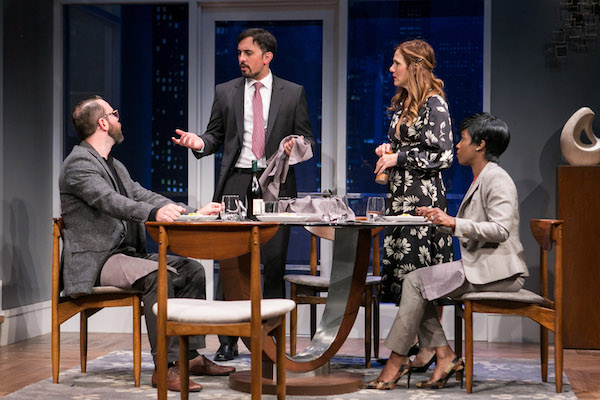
{"type": "Point", "coordinates": [283, 217]}
{"type": "Point", "coordinates": [404, 218]}
{"type": "Point", "coordinates": [199, 217]}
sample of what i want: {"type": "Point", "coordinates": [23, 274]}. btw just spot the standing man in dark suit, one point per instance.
{"type": "Point", "coordinates": [250, 116]}
{"type": "Point", "coordinates": [104, 212]}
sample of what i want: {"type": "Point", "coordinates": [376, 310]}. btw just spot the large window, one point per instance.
{"type": "Point", "coordinates": [454, 30]}
{"type": "Point", "coordinates": [136, 57]}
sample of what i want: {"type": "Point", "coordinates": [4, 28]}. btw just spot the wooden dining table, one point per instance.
{"type": "Point", "coordinates": [308, 371]}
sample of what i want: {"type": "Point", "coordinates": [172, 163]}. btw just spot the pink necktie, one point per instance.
{"type": "Point", "coordinates": [258, 132]}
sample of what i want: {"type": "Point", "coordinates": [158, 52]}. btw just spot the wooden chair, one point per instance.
{"type": "Point", "coordinates": [306, 289]}
{"type": "Point", "coordinates": [547, 313]}
{"type": "Point", "coordinates": [255, 318]}
{"type": "Point", "coordinates": [64, 308]}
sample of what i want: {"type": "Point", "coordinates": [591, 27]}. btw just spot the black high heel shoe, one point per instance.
{"type": "Point", "coordinates": [425, 367]}
{"type": "Point", "coordinates": [454, 367]}
{"type": "Point", "coordinates": [414, 349]}
{"type": "Point", "coordinates": [380, 385]}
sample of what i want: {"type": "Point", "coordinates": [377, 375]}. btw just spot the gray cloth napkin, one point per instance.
{"type": "Point", "coordinates": [279, 164]}
{"type": "Point", "coordinates": [319, 208]}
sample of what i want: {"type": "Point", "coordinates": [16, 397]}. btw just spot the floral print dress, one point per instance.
{"type": "Point", "coordinates": [426, 148]}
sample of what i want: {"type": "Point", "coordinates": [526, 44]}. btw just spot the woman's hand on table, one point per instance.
{"type": "Point", "coordinates": [211, 208]}
{"type": "Point", "coordinates": [437, 216]}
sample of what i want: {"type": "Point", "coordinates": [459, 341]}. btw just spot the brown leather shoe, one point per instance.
{"type": "Point", "coordinates": [203, 366]}
{"type": "Point", "coordinates": [174, 380]}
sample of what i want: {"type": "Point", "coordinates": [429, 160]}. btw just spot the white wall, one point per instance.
{"type": "Point", "coordinates": [536, 101]}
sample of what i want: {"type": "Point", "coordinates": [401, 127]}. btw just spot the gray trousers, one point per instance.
{"type": "Point", "coordinates": [189, 282]}
{"type": "Point", "coordinates": [418, 316]}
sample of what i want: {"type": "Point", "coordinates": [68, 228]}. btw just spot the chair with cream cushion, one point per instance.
{"type": "Point", "coordinates": [254, 318]}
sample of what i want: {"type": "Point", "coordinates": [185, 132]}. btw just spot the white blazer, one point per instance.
{"type": "Point", "coordinates": [487, 225]}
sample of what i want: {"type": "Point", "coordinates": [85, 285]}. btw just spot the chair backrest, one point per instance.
{"type": "Point", "coordinates": [548, 234]}
{"type": "Point", "coordinates": [328, 232]}
{"type": "Point", "coordinates": [58, 226]}
{"type": "Point", "coordinates": [323, 232]}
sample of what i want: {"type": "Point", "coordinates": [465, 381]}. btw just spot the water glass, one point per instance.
{"type": "Point", "coordinates": [271, 207]}
{"type": "Point", "coordinates": [375, 208]}
{"type": "Point", "coordinates": [231, 207]}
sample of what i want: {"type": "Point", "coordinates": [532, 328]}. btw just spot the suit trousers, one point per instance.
{"type": "Point", "coordinates": [189, 282]}
{"type": "Point", "coordinates": [417, 316]}
{"type": "Point", "coordinates": [273, 254]}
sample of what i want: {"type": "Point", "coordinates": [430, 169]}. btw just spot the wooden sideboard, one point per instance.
{"type": "Point", "coordinates": [578, 204]}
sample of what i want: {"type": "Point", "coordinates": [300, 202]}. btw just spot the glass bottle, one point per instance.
{"type": "Point", "coordinates": [255, 202]}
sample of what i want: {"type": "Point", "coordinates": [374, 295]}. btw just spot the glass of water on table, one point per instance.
{"type": "Point", "coordinates": [375, 208]}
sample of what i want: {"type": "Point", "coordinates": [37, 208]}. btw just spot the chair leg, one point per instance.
{"type": "Point", "coordinates": [293, 321]}
{"type": "Point", "coordinates": [313, 320]}
{"type": "Point", "coordinates": [55, 348]}
{"type": "Point", "coordinates": [544, 352]}
{"type": "Point", "coordinates": [137, 340]}
{"type": "Point", "coordinates": [368, 320]}
{"type": "Point", "coordinates": [184, 373]}
{"type": "Point", "coordinates": [558, 356]}
{"type": "Point", "coordinates": [83, 330]}
{"type": "Point", "coordinates": [375, 324]}
{"type": "Point", "coordinates": [458, 336]}
{"type": "Point", "coordinates": [469, 345]}
{"type": "Point", "coordinates": [280, 337]}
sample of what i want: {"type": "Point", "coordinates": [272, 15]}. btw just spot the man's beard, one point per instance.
{"type": "Point", "coordinates": [249, 74]}
{"type": "Point", "coordinates": [114, 131]}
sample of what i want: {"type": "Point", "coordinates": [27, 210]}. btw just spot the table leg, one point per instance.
{"type": "Point", "coordinates": [349, 271]}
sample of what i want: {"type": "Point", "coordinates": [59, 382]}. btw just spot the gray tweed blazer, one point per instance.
{"type": "Point", "coordinates": [487, 225]}
{"type": "Point", "coordinates": [94, 214]}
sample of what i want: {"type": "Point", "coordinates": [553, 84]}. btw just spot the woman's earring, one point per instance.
{"type": "Point", "coordinates": [477, 149]}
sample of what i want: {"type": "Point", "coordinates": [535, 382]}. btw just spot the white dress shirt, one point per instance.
{"type": "Point", "coordinates": [247, 156]}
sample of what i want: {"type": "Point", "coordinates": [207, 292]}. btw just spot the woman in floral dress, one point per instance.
{"type": "Point", "coordinates": [420, 148]}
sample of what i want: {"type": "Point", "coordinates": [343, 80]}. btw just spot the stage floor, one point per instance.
{"type": "Point", "coordinates": [29, 361]}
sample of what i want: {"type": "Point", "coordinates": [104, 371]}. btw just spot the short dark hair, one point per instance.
{"type": "Point", "coordinates": [263, 39]}
{"type": "Point", "coordinates": [485, 126]}
{"type": "Point", "coordinates": [85, 116]}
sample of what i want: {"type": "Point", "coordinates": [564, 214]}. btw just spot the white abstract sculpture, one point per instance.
{"type": "Point", "coordinates": [574, 150]}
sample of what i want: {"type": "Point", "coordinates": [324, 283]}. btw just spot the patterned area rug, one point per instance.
{"type": "Point", "coordinates": [111, 377]}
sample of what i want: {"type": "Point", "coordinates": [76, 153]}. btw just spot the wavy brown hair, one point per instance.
{"type": "Point", "coordinates": [422, 83]}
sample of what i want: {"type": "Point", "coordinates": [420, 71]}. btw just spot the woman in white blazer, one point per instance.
{"type": "Point", "coordinates": [487, 225]}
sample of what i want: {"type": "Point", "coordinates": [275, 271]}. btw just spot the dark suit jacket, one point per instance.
{"type": "Point", "coordinates": [94, 214]}
{"type": "Point", "coordinates": [288, 114]}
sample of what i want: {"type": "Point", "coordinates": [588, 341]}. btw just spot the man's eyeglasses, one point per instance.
{"type": "Point", "coordinates": [114, 112]}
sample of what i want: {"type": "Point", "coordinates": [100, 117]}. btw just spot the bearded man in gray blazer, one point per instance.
{"type": "Point", "coordinates": [282, 111]}
{"type": "Point", "coordinates": [103, 211]}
